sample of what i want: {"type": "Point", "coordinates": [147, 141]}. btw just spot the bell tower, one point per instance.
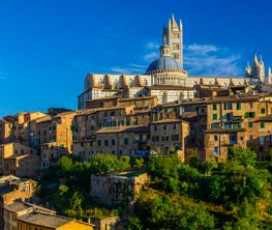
{"type": "Point", "coordinates": [173, 37]}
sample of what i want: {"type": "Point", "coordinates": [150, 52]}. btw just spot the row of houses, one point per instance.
{"type": "Point", "coordinates": [137, 126]}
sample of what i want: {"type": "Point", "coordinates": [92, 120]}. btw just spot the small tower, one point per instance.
{"type": "Point", "coordinates": [247, 70]}
{"type": "Point", "coordinates": [257, 70]}
{"type": "Point", "coordinates": [173, 37]}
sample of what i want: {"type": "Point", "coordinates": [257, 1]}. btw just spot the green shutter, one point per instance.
{"type": "Point", "coordinates": [238, 106]}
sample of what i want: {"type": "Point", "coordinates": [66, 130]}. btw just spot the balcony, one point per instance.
{"type": "Point", "coordinates": [231, 118]}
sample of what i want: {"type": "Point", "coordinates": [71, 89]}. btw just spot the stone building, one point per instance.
{"type": "Point", "coordinates": [13, 188]}
{"type": "Point", "coordinates": [53, 129]}
{"type": "Point", "coordinates": [217, 123]}
{"type": "Point", "coordinates": [22, 165]}
{"type": "Point", "coordinates": [117, 189]}
{"type": "Point", "coordinates": [126, 140]}
{"type": "Point", "coordinates": [16, 128]}
{"type": "Point", "coordinates": [169, 136]}
{"type": "Point", "coordinates": [37, 220]}
{"type": "Point", "coordinates": [19, 208]}
{"type": "Point", "coordinates": [14, 149]}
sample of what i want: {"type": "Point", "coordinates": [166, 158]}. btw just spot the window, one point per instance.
{"type": "Point", "coordinates": [262, 110]}
{"type": "Point", "coordinates": [215, 137]}
{"type": "Point", "coordinates": [155, 128]}
{"type": "Point", "coordinates": [251, 105]}
{"type": "Point", "coordinates": [164, 127]}
{"type": "Point", "coordinates": [250, 137]}
{"type": "Point", "coordinates": [238, 105]}
{"type": "Point", "coordinates": [112, 142]}
{"type": "Point", "coordinates": [165, 110]}
{"type": "Point", "coordinates": [262, 125]}
{"type": "Point", "coordinates": [106, 142]}
{"type": "Point", "coordinates": [126, 141]}
{"type": "Point", "coordinates": [250, 115]}
{"type": "Point", "coordinates": [174, 126]}
{"type": "Point", "coordinates": [228, 116]}
{"type": "Point", "coordinates": [215, 150]}
{"type": "Point", "coordinates": [215, 125]}
{"type": "Point", "coordinates": [250, 124]}
{"type": "Point", "coordinates": [175, 137]}
{"type": "Point", "coordinates": [214, 107]}
{"type": "Point", "coordinates": [214, 116]}
{"type": "Point", "coordinates": [233, 138]}
{"type": "Point", "coordinates": [261, 140]}
{"type": "Point", "coordinates": [99, 142]}
{"type": "Point", "coordinates": [228, 106]}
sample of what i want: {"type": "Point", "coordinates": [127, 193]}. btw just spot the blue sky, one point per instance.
{"type": "Point", "coordinates": [48, 46]}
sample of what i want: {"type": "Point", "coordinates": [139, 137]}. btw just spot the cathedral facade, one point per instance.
{"type": "Point", "coordinates": [165, 76]}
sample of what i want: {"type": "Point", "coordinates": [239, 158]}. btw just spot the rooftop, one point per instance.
{"type": "Point", "coordinates": [120, 129]}
{"type": "Point", "coordinates": [17, 206]}
{"type": "Point", "coordinates": [221, 130]}
{"type": "Point", "coordinates": [45, 220]}
{"type": "Point", "coordinates": [169, 87]}
{"type": "Point", "coordinates": [165, 121]}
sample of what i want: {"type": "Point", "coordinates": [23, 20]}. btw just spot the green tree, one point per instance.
{"type": "Point", "coordinates": [65, 163]}
{"type": "Point", "coordinates": [102, 163]}
{"type": "Point", "coordinates": [124, 163]}
{"type": "Point", "coordinates": [209, 165]}
{"type": "Point", "coordinates": [63, 189]}
{"type": "Point", "coordinates": [134, 223]}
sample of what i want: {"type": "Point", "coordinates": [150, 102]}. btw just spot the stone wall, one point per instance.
{"type": "Point", "coordinates": [116, 189]}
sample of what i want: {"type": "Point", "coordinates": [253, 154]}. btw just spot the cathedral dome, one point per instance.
{"type": "Point", "coordinates": [164, 63]}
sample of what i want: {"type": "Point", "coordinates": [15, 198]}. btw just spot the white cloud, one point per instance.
{"type": "Point", "coordinates": [211, 60]}
{"type": "Point", "coordinates": [151, 56]}
{"type": "Point", "coordinates": [137, 65]}
{"type": "Point", "coordinates": [131, 68]}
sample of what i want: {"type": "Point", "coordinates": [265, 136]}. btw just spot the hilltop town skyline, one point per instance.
{"type": "Point", "coordinates": [44, 61]}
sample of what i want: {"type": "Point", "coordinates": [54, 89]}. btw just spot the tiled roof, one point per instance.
{"type": "Point", "coordinates": [235, 98]}
{"type": "Point", "coordinates": [221, 130]}
{"type": "Point", "coordinates": [17, 206]}
{"type": "Point", "coordinates": [44, 220]}
{"type": "Point", "coordinates": [102, 99]}
{"type": "Point", "coordinates": [137, 98]}
{"type": "Point", "coordinates": [120, 129]}
{"type": "Point", "coordinates": [164, 121]}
